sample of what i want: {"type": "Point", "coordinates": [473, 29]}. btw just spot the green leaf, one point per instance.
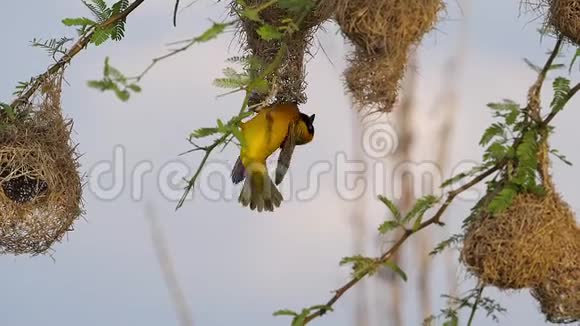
{"type": "Point", "coordinates": [527, 150]}
{"type": "Point", "coordinates": [214, 31]}
{"type": "Point", "coordinates": [422, 205]}
{"type": "Point", "coordinates": [300, 319]}
{"type": "Point", "coordinates": [502, 200]}
{"type": "Point", "coordinates": [204, 132]}
{"type": "Point", "coordinates": [239, 136]}
{"type": "Point", "coordinates": [388, 226]}
{"type": "Point", "coordinates": [9, 110]}
{"type": "Point", "coordinates": [391, 206]}
{"type": "Point", "coordinates": [561, 88]}
{"type": "Point", "coordinates": [443, 245]}
{"type": "Point", "coordinates": [285, 312]}
{"type": "Point", "coordinates": [122, 94]}
{"type": "Point", "coordinates": [321, 307]}
{"type": "Point", "coordinates": [134, 87]}
{"type": "Point", "coordinates": [268, 32]}
{"type": "Point", "coordinates": [362, 266]}
{"type": "Point", "coordinates": [395, 268]}
{"type": "Point", "coordinates": [99, 9]}
{"type": "Point", "coordinates": [453, 321]}
{"type": "Point", "coordinates": [495, 130]}
{"type": "Point", "coordinates": [79, 21]}
{"type": "Point", "coordinates": [252, 14]}
{"type": "Point", "coordinates": [100, 36]}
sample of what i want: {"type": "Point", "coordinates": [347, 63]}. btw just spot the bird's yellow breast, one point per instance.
{"type": "Point", "coordinates": [266, 131]}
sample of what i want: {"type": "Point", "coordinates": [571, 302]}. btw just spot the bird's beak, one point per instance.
{"type": "Point", "coordinates": [312, 118]}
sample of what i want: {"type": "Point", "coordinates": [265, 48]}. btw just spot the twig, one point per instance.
{"type": "Point", "coordinates": [175, 290]}
{"type": "Point", "coordinates": [569, 96]}
{"type": "Point", "coordinates": [191, 182]}
{"type": "Point", "coordinates": [435, 219]}
{"type": "Point", "coordinates": [533, 107]}
{"type": "Point", "coordinates": [83, 41]}
{"type": "Point", "coordinates": [189, 44]}
{"type": "Point", "coordinates": [474, 308]}
{"type": "Point", "coordinates": [175, 12]}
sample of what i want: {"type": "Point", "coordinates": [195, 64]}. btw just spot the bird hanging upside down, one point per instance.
{"type": "Point", "coordinates": [279, 126]}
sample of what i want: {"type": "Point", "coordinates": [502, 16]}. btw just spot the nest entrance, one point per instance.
{"type": "Point", "coordinates": [20, 187]}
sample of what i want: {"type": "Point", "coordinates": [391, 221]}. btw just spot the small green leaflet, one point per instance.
{"type": "Point", "coordinates": [80, 21]}
{"type": "Point", "coordinates": [268, 32]}
{"type": "Point", "coordinates": [214, 31]}
{"type": "Point", "coordinates": [391, 206]}
{"type": "Point", "coordinates": [453, 321]}
{"type": "Point", "coordinates": [285, 312]}
{"type": "Point", "coordinates": [395, 268]}
{"type": "Point", "coordinates": [422, 205]}
{"type": "Point", "coordinates": [561, 88]}
{"type": "Point", "coordinates": [362, 266]}
{"type": "Point", "coordinates": [388, 226]}
{"type": "Point", "coordinates": [502, 200]}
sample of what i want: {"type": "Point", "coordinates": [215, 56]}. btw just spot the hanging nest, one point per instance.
{"type": "Point", "coordinates": [374, 81]}
{"type": "Point", "coordinates": [520, 246]}
{"type": "Point", "coordinates": [559, 294]}
{"type": "Point", "coordinates": [387, 26]}
{"type": "Point", "coordinates": [564, 16]}
{"type": "Point", "coordinates": [383, 33]}
{"type": "Point", "coordinates": [288, 81]}
{"type": "Point", "coordinates": [40, 188]}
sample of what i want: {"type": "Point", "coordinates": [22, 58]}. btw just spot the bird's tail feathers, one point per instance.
{"type": "Point", "coordinates": [259, 192]}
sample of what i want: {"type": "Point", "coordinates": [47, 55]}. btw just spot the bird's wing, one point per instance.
{"type": "Point", "coordinates": [286, 153]}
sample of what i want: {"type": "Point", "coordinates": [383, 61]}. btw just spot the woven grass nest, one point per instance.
{"type": "Point", "coordinates": [383, 33]}
{"type": "Point", "coordinates": [559, 293]}
{"type": "Point", "coordinates": [564, 15]}
{"type": "Point", "coordinates": [40, 188]}
{"type": "Point", "coordinates": [519, 247]}
{"type": "Point", "coordinates": [289, 79]}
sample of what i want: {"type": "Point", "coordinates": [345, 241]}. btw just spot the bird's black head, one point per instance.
{"type": "Point", "coordinates": [308, 121]}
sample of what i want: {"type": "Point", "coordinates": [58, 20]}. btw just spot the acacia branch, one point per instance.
{"type": "Point", "coordinates": [81, 44]}
{"type": "Point", "coordinates": [435, 219]}
{"type": "Point", "coordinates": [569, 96]}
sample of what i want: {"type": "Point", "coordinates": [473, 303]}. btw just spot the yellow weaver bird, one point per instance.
{"type": "Point", "coordinates": [279, 126]}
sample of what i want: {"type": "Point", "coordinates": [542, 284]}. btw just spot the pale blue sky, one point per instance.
{"type": "Point", "coordinates": [236, 266]}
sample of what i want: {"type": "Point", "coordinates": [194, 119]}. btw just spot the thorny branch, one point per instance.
{"type": "Point", "coordinates": [435, 219]}
{"type": "Point", "coordinates": [533, 104]}
{"type": "Point", "coordinates": [81, 44]}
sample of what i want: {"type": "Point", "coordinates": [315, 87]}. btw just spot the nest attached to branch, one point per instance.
{"type": "Point", "coordinates": [564, 16]}
{"type": "Point", "coordinates": [387, 26]}
{"type": "Point", "coordinates": [383, 33]}
{"type": "Point", "coordinates": [40, 188]}
{"type": "Point", "coordinates": [517, 248]}
{"type": "Point", "coordinates": [288, 80]}
{"type": "Point", "coordinates": [374, 81]}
